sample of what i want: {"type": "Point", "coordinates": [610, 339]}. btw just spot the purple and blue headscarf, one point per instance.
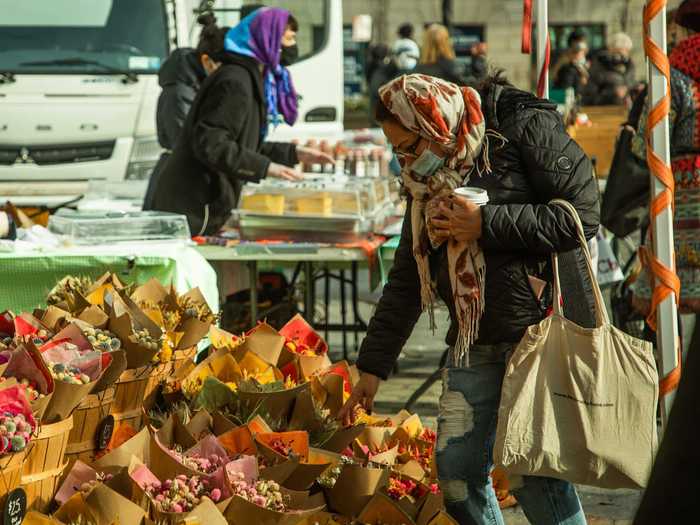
{"type": "Point", "coordinates": [259, 35]}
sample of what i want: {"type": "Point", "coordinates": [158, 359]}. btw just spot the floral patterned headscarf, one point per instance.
{"type": "Point", "coordinates": [450, 116]}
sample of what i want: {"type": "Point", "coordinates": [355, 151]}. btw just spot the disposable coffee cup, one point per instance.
{"type": "Point", "coordinates": [476, 195]}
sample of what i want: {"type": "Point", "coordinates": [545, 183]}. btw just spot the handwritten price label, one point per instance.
{"type": "Point", "coordinates": [15, 507]}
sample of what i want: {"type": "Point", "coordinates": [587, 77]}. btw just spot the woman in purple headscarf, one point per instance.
{"type": "Point", "coordinates": [221, 146]}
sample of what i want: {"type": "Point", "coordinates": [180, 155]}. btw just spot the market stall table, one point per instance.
{"type": "Point", "coordinates": [304, 257]}
{"type": "Point", "coordinates": [28, 274]}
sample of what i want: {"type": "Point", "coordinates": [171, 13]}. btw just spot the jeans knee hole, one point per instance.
{"type": "Point", "coordinates": [454, 489]}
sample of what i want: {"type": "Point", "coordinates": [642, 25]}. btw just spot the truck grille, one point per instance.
{"type": "Point", "coordinates": [47, 154]}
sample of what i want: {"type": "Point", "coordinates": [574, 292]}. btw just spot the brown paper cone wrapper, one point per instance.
{"type": "Point", "coordinates": [257, 425]}
{"type": "Point", "coordinates": [412, 469]}
{"type": "Point", "coordinates": [40, 405]}
{"type": "Point", "coordinates": [355, 487]}
{"type": "Point", "coordinates": [94, 316]}
{"type": "Point", "coordinates": [55, 318]}
{"type": "Point", "coordinates": [238, 440]}
{"type": "Point", "coordinates": [307, 473]}
{"type": "Point", "coordinates": [243, 512]}
{"type": "Point", "coordinates": [265, 342]}
{"type": "Point", "coordinates": [37, 518]}
{"type": "Point", "coordinates": [220, 365]}
{"type": "Point", "coordinates": [76, 510]}
{"type": "Point", "coordinates": [121, 457]}
{"type": "Point", "coordinates": [194, 331]}
{"type": "Point", "coordinates": [110, 507]}
{"type": "Point", "coordinates": [278, 405]}
{"type": "Point", "coordinates": [220, 424]}
{"type": "Point", "coordinates": [279, 472]}
{"type": "Point", "coordinates": [303, 413]}
{"type": "Point", "coordinates": [66, 397]}
{"type": "Point", "coordinates": [111, 374]}
{"type": "Point", "coordinates": [387, 458]}
{"type": "Point", "coordinates": [342, 438]}
{"type": "Point", "coordinates": [200, 424]}
{"type": "Point", "coordinates": [162, 464]}
{"type": "Point", "coordinates": [432, 504]}
{"type": "Point", "coordinates": [150, 291]}
{"type": "Point", "coordinates": [206, 513]}
{"type": "Point", "coordinates": [382, 509]}
{"type": "Point", "coordinates": [136, 355]}
{"type": "Point", "coordinates": [442, 518]}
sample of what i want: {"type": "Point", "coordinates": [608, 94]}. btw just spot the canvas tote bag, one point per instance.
{"type": "Point", "coordinates": [579, 404]}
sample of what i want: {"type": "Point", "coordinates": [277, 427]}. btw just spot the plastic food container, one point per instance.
{"type": "Point", "coordinates": [94, 227]}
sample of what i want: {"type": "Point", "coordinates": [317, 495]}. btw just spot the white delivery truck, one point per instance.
{"type": "Point", "coordinates": [79, 86]}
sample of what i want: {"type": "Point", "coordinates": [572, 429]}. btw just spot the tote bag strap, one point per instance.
{"type": "Point", "coordinates": [600, 310]}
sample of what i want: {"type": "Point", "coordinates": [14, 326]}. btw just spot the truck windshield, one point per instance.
{"type": "Point", "coordinates": [82, 37]}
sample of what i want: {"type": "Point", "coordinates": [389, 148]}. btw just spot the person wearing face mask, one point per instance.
{"type": "Point", "coordinates": [573, 71]}
{"type": "Point", "coordinates": [222, 145]}
{"type": "Point", "coordinates": [491, 265]}
{"type": "Point", "coordinates": [612, 74]}
{"type": "Point", "coordinates": [180, 77]}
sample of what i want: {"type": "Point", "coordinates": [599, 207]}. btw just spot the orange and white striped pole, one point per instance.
{"type": "Point", "coordinates": [661, 263]}
{"type": "Point", "coordinates": [543, 42]}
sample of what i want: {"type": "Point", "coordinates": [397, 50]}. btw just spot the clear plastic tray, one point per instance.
{"type": "Point", "coordinates": [95, 227]}
{"type": "Point", "coordinates": [318, 195]}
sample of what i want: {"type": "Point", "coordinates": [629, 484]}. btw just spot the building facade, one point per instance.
{"type": "Point", "coordinates": [500, 23]}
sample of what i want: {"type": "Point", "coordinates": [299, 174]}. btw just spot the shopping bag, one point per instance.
{"type": "Point", "coordinates": [579, 404]}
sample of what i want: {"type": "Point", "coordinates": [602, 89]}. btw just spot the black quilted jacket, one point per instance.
{"type": "Point", "coordinates": [540, 162]}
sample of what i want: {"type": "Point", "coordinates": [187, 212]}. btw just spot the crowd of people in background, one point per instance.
{"type": "Point", "coordinates": [597, 77]}
{"type": "Point", "coordinates": [436, 58]}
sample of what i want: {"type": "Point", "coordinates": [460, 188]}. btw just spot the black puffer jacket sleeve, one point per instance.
{"type": "Point", "coordinates": [280, 152]}
{"type": "Point", "coordinates": [173, 104]}
{"type": "Point", "coordinates": [397, 312]}
{"type": "Point", "coordinates": [557, 169]}
{"type": "Point", "coordinates": [220, 120]}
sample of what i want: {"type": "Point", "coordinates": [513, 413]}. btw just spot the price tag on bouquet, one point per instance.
{"type": "Point", "coordinates": [104, 434]}
{"type": "Point", "coordinates": [15, 507]}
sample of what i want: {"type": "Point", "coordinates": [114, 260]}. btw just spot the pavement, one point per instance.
{"type": "Point", "coordinates": [419, 360]}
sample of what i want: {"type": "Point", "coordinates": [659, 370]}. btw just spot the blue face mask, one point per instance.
{"type": "Point", "coordinates": [426, 164]}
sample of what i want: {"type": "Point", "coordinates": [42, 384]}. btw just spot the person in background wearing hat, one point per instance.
{"type": "Point", "coordinates": [612, 74]}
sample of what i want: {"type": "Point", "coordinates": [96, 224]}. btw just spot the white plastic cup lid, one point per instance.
{"type": "Point", "coordinates": [476, 195]}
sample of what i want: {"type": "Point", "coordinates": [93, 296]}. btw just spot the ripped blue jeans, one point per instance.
{"type": "Point", "coordinates": [466, 433]}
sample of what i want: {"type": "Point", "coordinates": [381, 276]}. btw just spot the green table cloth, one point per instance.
{"type": "Point", "coordinates": [27, 275]}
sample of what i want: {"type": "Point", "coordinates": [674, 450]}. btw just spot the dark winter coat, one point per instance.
{"type": "Point", "coordinates": [520, 230]}
{"type": "Point", "coordinates": [179, 78]}
{"type": "Point", "coordinates": [571, 76]}
{"type": "Point", "coordinates": [220, 148]}
{"type": "Point", "coordinates": [444, 68]}
{"type": "Point", "coordinates": [608, 72]}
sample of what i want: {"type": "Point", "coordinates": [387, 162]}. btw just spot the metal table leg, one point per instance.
{"type": "Point", "coordinates": [358, 322]}
{"type": "Point", "coordinates": [343, 315]}
{"type": "Point", "coordinates": [309, 292]}
{"type": "Point", "coordinates": [253, 269]}
{"type": "Point", "coordinates": [327, 299]}
{"type": "Point", "coordinates": [423, 388]}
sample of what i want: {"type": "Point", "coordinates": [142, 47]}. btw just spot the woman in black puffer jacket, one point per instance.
{"type": "Point", "coordinates": [517, 232]}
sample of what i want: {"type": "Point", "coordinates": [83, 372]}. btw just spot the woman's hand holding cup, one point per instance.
{"type": "Point", "coordinates": [459, 217]}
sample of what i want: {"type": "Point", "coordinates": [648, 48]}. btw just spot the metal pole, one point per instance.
{"type": "Point", "coordinates": [542, 33]}
{"type": "Point", "coordinates": [667, 316]}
